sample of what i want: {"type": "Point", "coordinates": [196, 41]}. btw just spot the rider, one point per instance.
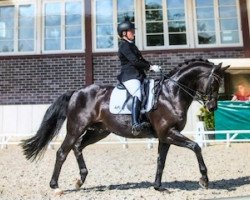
{"type": "Point", "coordinates": [133, 67]}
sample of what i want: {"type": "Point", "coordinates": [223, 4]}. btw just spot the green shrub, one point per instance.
{"type": "Point", "coordinates": [207, 117]}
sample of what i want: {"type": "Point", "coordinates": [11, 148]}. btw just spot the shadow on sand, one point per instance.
{"type": "Point", "coordinates": [224, 184]}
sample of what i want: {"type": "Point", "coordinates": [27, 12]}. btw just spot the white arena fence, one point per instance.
{"type": "Point", "coordinates": [201, 137]}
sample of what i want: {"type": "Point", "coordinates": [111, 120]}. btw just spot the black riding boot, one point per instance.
{"type": "Point", "coordinates": [137, 127]}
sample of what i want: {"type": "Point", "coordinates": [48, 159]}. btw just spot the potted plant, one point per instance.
{"type": "Point", "coordinates": [208, 118]}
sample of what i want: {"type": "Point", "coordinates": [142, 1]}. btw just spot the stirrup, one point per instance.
{"type": "Point", "coordinates": [145, 125]}
{"type": "Point", "coordinates": [138, 128]}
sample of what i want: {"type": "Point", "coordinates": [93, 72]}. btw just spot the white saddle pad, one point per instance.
{"type": "Point", "coordinates": [118, 98]}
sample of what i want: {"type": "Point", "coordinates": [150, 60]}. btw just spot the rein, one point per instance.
{"type": "Point", "coordinates": [198, 96]}
{"type": "Point", "coordinates": [201, 97]}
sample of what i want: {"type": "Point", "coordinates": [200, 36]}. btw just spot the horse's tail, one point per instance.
{"type": "Point", "coordinates": [49, 128]}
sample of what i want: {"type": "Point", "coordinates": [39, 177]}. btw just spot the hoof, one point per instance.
{"type": "Point", "coordinates": [162, 189]}
{"type": "Point", "coordinates": [203, 183]}
{"type": "Point", "coordinates": [78, 184]}
{"type": "Point", "coordinates": [58, 192]}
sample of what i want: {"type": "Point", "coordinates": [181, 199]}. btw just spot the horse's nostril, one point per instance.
{"type": "Point", "coordinates": [212, 108]}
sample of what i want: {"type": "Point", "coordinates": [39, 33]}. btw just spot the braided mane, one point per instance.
{"type": "Point", "coordinates": [187, 63]}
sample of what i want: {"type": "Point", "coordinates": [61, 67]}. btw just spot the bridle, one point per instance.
{"type": "Point", "coordinates": [208, 91]}
{"type": "Point", "coordinates": [201, 96]}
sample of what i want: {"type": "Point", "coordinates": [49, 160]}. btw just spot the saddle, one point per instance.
{"type": "Point", "coordinates": [121, 100]}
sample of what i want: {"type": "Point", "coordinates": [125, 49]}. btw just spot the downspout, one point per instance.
{"type": "Point", "coordinates": [88, 45]}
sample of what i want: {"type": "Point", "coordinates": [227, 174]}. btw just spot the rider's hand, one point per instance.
{"type": "Point", "coordinates": [155, 68]}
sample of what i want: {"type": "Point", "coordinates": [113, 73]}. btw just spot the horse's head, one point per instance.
{"type": "Point", "coordinates": [211, 84]}
{"type": "Point", "coordinates": [198, 79]}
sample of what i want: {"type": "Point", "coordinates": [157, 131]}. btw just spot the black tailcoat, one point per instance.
{"type": "Point", "coordinates": [133, 64]}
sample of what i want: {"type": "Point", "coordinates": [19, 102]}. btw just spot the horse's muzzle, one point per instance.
{"type": "Point", "coordinates": [211, 105]}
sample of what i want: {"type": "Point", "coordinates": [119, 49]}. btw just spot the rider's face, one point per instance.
{"type": "Point", "coordinates": [131, 34]}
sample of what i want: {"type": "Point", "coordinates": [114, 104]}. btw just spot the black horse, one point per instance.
{"type": "Point", "coordinates": [89, 119]}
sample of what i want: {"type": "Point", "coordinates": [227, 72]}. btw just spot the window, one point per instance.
{"type": "Point", "coordinates": [104, 24]}
{"type": "Point", "coordinates": [126, 10]}
{"type": "Point", "coordinates": [52, 26]}
{"type": "Point", "coordinates": [176, 16]}
{"type": "Point", "coordinates": [108, 13]}
{"type": "Point", "coordinates": [154, 28]}
{"type": "Point", "coordinates": [26, 28]}
{"type": "Point", "coordinates": [73, 25]}
{"type": "Point", "coordinates": [165, 23]}
{"type": "Point", "coordinates": [205, 22]}
{"type": "Point", "coordinates": [63, 26]}
{"type": "Point", "coordinates": [169, 23]}
{"type": "Point", "coordinates": [229, 26]}
{"type": "Point", "coordinates": [60, 29]}
{"type": "Point", "coordinates": [221, 32]}
{"type": "Point", "coordinates": [22, 38]}
{"type": "Point", "coordinates": [7, 29]}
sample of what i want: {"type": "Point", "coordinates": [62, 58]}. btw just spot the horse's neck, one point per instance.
{"type": "Point", "coordinates": [188, 77]}
{"type": "Point", "coordinates": [184, 86]}
{"type": "Point", "coordinates": [177, 95]}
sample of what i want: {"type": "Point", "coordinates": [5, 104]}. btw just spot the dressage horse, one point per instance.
{"type": "Point", "coordinates": [89, 119]}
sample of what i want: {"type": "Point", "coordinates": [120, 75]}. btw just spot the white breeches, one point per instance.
{"type": "Point", "coordinates": [134, 87]}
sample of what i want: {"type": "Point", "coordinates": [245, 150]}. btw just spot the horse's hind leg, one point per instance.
{"type": "Point", "coordinates": [182, 141]}
{"type": "Point", "coordinates": [81, 164]}
{"type": "Point", "coordinates": [61, 156]}
{"type": "Point", "coordinates": [89, 137]}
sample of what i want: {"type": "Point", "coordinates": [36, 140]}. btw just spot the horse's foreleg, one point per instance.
{"type": "Point", "coordinates": [162, 154]}
{"type": "Point", "coordinates": [182, 141]}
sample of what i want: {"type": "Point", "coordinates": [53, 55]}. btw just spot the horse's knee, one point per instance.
{"type": "Point", "coordinates": [196, 147]}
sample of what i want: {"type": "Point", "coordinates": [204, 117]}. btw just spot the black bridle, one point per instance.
{"type": "Point", "coordinates": [201, 97]}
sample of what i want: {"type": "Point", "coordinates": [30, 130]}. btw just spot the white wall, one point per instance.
{"type": "Point", "coordinates": [192, 118]}
{"type": "Point", "coordinates": [21, 119]}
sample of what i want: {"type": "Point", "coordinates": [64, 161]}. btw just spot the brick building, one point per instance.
{"type": "Point", "coordinates": [49, 46]}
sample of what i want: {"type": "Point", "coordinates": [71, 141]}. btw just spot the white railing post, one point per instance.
{"type": "Point", "coordinates": [4, 142]}
{"type": "Point", "coordinates": [125, 143]}
{"type": "Point", "coordinates": [228, 139]}
{"type": "Point", "coordinates": [199, 135]}
{"type": "Point", "coordinates": [150, 143]}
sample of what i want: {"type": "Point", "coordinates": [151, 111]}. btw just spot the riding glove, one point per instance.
{"type": "Point", "coordinates": [155, 68]}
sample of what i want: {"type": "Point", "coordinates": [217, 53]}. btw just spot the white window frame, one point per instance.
{"type": "Point", "coordinates": [16, 6]}
{"type": "Point", "coordinates": [218, 43]}
{"type": "Point", "coordinates": [62, 50]}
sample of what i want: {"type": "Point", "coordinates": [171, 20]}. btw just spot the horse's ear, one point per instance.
{"type": "Point", "coordinates": [219, 65]}
{"type": "Point", "coordinates": [225, 68]}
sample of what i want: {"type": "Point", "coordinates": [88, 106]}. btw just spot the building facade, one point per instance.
{"type": "Point", "coordinates": [50, 46]}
